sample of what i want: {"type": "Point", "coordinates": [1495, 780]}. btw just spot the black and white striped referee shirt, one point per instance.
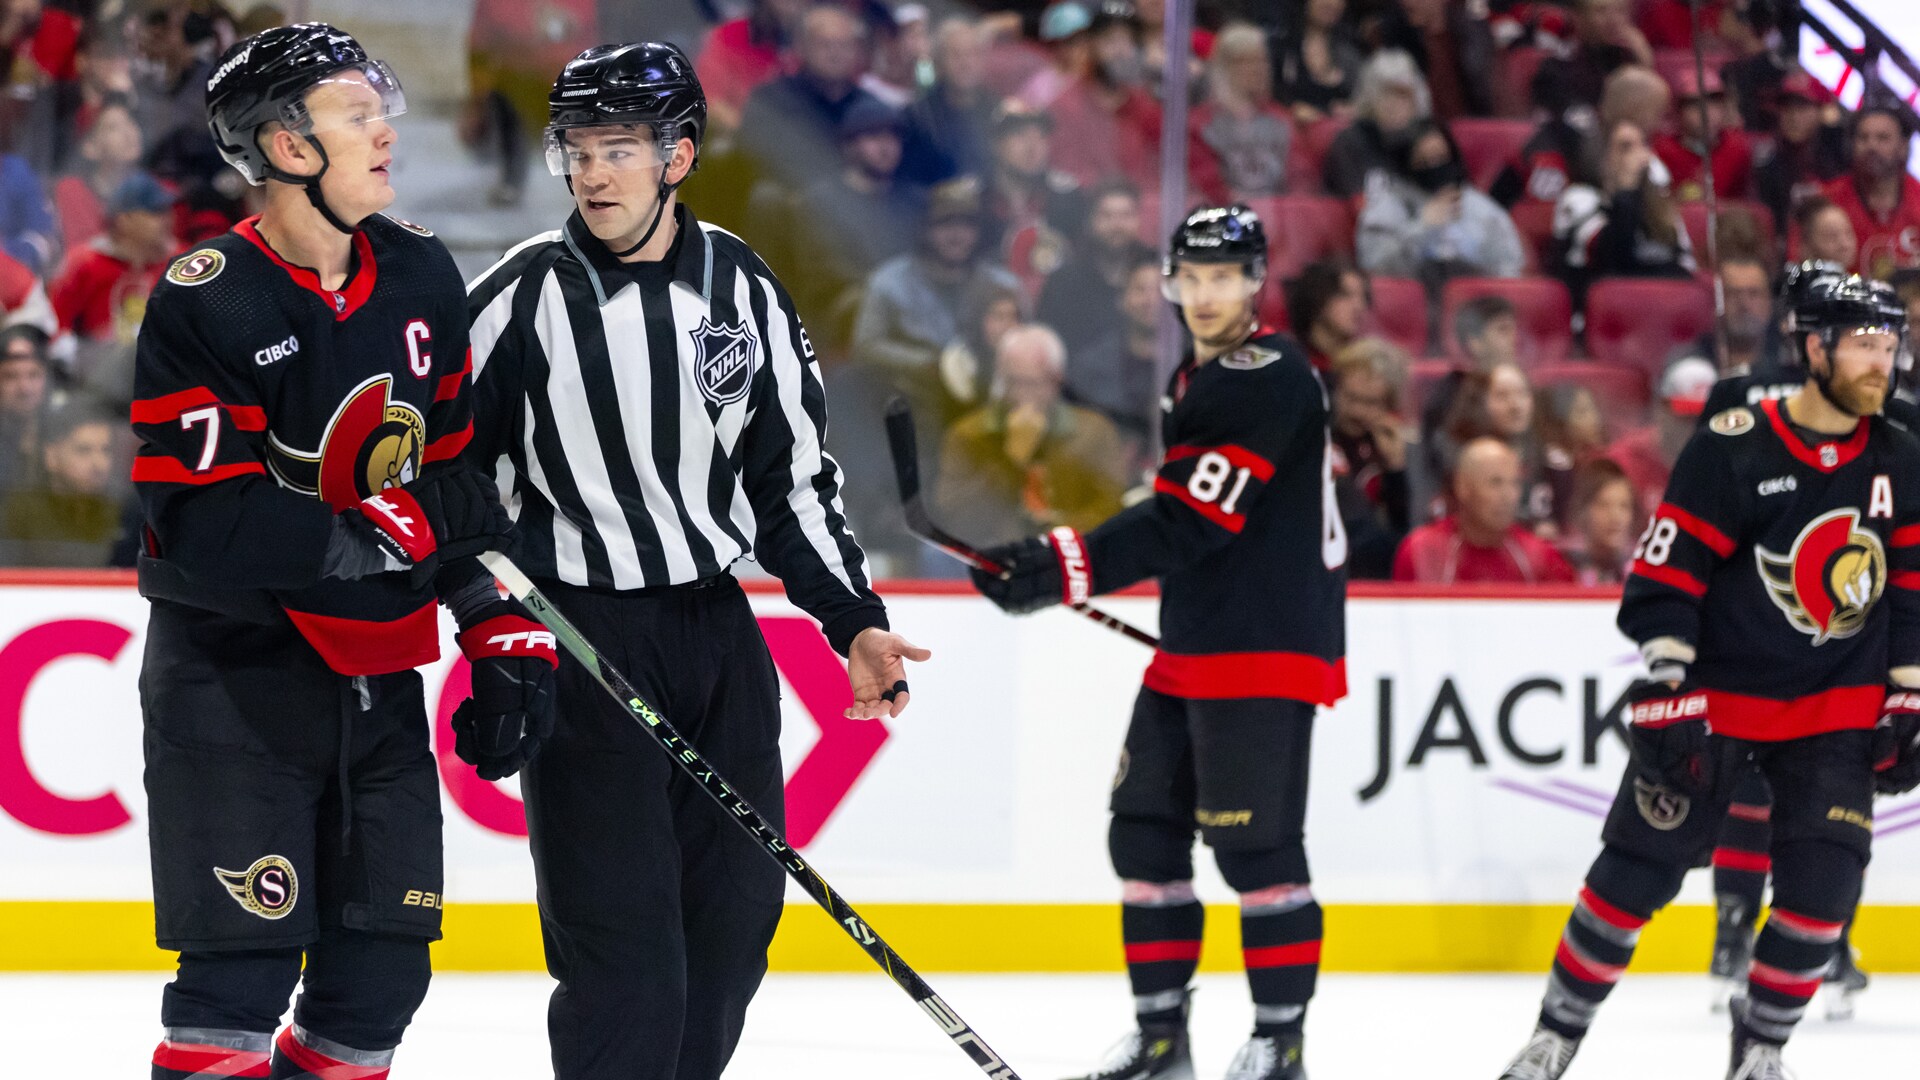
{"type": "Point", "coordinates": [648, 438]}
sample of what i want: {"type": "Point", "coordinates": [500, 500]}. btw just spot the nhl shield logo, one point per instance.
{"type": "Point", "coordinates": [723, 361]}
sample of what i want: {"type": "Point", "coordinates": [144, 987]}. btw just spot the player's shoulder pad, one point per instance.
{"type": "Point", "coordinates": [1733, 422]}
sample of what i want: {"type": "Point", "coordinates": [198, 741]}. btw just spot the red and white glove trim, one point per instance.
{"type": "Point", "coordinates": [509, 636]}
{"type": "Point", "coordinates": [1667, 711]}
{"type": "Point", "coordinates": [399, 518]}
{"type": "Point", "coordinates": [1076, 573]}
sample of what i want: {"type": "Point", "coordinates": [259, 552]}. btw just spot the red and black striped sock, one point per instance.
{"type": "Point", "coordinates": [1788, 962]}
{"type": "Point", "coordinates": [1740, 861]}
{"type": "Point", "coordinates": [1594, 950]}
{"type": "Point", "coordinates": [209, 1052]}
{"type": "Point", "coordinates": [1161, 925]}
{"type": "Point", "coordinates": [1280, 932]}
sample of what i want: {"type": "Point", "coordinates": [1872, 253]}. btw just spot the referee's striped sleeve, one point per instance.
{"type": "Point", "coordinates": [794, 484]}
{"type": "Point", "coordinates": [497, 393]}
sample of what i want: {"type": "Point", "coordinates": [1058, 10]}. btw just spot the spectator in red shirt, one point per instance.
{"type": "Point", "coordinates": [1480, 541]}
{"type": "Point", "coordinates": [742, 53]}
{"type": "Point", "coordinates": [101, 290]}
{"type": "Point", "coordinates": [1114, 120]}
{"type": "Point", "coordinates": [38, 44]}
{"type": "Point", "coordinates": [1240, 138]}
{"type": "Point", "coordinates": [1668, 24]}
{"type": "Point", "coordinates": [23, 297]}
{"type": "Point", "coordinates": [1703, 120]}
{"type": "Point", "coordinates": [109, 153]}
{"type": "Point", "coordinates": [1882, 200]}
{"type": "Point", "coordinates": [1647, 455]}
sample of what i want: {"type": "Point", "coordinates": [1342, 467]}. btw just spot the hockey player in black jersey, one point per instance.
{"type": "Point", "coordinates": [1776, 599]}
{"type": "Point", "coordinates": [302, 399]}
{"type": "Point", "coordinates": [1244, 535]}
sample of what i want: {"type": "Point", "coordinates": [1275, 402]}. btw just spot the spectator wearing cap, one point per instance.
{"type": "Point", "coordinates": [1626, 227]}
{"type": "Point", "coordinates": [913, 316]}
{"type": "Point", "coordinates": [1647, 455]}
{"type": "Point", "coordinates": [101, 291]}
{"type": "Point", "coordinates": [109, 153]}
{"type": "Point", "coordinates": [1079, 300]}
{"type": "Point", "coordinates": [1105, 103]}
{"type": "Point", "coordinates": [1481, 540]}
{"type": "Point", "coordinates": [70, 518]}
{"type": "Point", "coordinates": [1706, 137]}
{"type": "Point", "coordinates": [1389, 105]}
{"type": "Point", "coordinates": [1452, 43]}
{"type": "Point", "coordinates": [26, 388]}
{"type": "Point", "coordinates": [1605, 40]}
{"type": "Point", "coordinates": [1066, 34]}
{"type": "Point", "coordinates": [902, 53]}
{"type": "Point", "coordinates": [1605, 516]}
{"type": "Point", "coordinates": [741, 54]}
{"type": "Point", "coordinates": [1317, 61]}
{"type": "Point", "coordinates": [1428, 221]}
{"type": "Point", "coordinates": [1806, 152]}
{"type": "Point", "coordinates": [790, 126]}
{"type": "Point", "coordinates": [1880, 197]}
{"type": "Point", "coordinates": [1823, 231]}
{"type": "Point", "coordinates": [1240, 137]}
{"type": "Point", "coordinates": [956, 112]}
{"type": "Point", "coordinates": [1327, 308]}
{"type": "Point", "coordinates": [1034, 211]}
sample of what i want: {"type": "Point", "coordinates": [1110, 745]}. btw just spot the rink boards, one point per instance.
{"type": "Point", "coordinates": [1457, 798]}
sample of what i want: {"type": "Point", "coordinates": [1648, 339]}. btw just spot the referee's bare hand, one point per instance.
{"type": "Point", "coordinates": [874, 664]}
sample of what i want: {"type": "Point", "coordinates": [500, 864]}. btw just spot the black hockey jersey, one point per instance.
{"type": "Point", "coordinates": [1790, 566]}
{"type": "Point", "coordinates": [265, 403]}
{"type": "Point", "coordinates": [1243, 532]}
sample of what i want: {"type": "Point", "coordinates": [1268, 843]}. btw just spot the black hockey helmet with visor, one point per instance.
{"type": "Point", "coordinates": [648, 84]}
{"type": "Point", "coordinates": [1217, 235]}
{"type": "Point", "coordinates": [274, 77]}
{"type": "Point", "coordinates": [1837, 307]}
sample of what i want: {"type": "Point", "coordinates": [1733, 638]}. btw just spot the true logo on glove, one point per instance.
{"type": "Point", "coordinates": [391, 511]}
{"type": "Point", "coordinates": [529, 639]}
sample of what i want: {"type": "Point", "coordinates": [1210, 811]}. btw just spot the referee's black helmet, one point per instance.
{"type": "Point", "coordinates": [646, 82]}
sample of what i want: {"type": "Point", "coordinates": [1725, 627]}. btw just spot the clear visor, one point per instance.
{"type": "Point", "coordinates": [348, 98]}
{"type": "Point", "coordinates": [621, 148]}
{"type": "Point", "coordinates": [1207, 284]}
{"type": "Point", "coordinates": [1902, 346]}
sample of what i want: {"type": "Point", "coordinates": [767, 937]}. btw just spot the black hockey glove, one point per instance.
{"type": "Point", "coordinates": [1668, 726]}
{"type": "Point", "coordinates": [1037, 573]}
{"type": "Point", "coordinates": [1896, 743]}
{"type": "Point", "coordinates": [500, 728]}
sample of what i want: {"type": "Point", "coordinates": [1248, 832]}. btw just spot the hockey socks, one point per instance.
{"type": "Point", "coordinates": [1788, 962]}
{"type": "Point", "coordinates": [1740, 860]}
{"type": "Point", "coordinates": [1593, 954]}
{"type": "Point", "coordinates": [1280, 932]}
{"type": "Point", "coordinates": [299, 1054]}
{"type": "Point", "coordinates": [1161, 925]}
{"type": "Point", "coordinates": [211, 1052]}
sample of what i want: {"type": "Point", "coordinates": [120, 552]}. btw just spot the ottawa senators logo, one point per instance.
{"type": "Point", "coordinates": [1831, 578]}
{"type": "Point", "coordinates": [268, 888]}
{"type": "Point", "coordinates": [373, 442]}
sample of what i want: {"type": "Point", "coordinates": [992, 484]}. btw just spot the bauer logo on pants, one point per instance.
{"type": "Point", "coordinates": [268, 888]}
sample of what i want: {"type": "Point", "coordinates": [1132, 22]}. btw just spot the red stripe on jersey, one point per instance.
{"type": "Point", "coordinates": [370, 647]}
{"type": "Point", "coordinates": [1233, 523]}
{"type": "Point", "coordinates": [1585, 969]}
{"type": "Point", "coordinates": [342, 303]}
{"type": "Point", "coordinates": [166, 470]}
{"type": "Point", "coordinates": [1905, 536]}
{"type": "Point", "coordinates": [1783, 982]}
{"type": "Point", "coordinates": [1753, 862]}
{"type": "Point", "coordinates": [1845, 708]}
{"type": "Point", "coordinates": [1669, 575]}
{"type": "Point", "coordinates": [1154, 952]}
{"type": "Point", "coordinates": [1843, 452]}
{"type": "Point", "coordinates": [197, 1060]}
{"type": "Point", "coordinates": [1718, 542]}
{"type": "Point", "coordinates": [169, 407]}
{"type": "Point", "coordinates": [323, 1066]}
{"type": "Point", "coordinates": [447, 447]}
{"type": "Point", "coordinates": [1609, 914]}
{"type": "Point", "coordinates": [448, 387]}
{"type": "Point", "coordinates": [1295, 676]}
{"type": "Point", "coordinates": [1238, 456]}
{"type": "Point", "coordinates": [1904, 579]}
{"type": "Point", "coordinates": [1298, 954]}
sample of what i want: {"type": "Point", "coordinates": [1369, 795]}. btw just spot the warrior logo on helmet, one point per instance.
{"type": "Point", "coordinates": [1830, 580]}
{"type": "Point", "coordinates": [373, 442]}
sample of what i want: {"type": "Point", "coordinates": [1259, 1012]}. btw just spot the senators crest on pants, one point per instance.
{"type": "Point", "coordinates": [373, 442]}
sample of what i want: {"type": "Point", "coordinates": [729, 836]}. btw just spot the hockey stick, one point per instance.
{"type": "Point", "coordinates": [737, 807]}
{"type": "Point", "coordinates": [906, 473]}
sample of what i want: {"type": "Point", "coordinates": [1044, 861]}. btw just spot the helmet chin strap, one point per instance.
{"type": "Point", "coordinates": [1823, 380]}
{"type": "Point", "coordinates": [659, 209]}
{"type": "Point", "coordinates": [312, 186]}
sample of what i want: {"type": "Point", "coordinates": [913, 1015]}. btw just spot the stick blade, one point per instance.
{"type": "Point", "coordinates": [905, 449]}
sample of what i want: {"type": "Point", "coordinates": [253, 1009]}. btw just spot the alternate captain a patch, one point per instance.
{"type": "Point", "coordinates": [723, 361]}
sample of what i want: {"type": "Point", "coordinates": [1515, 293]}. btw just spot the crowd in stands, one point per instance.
{"type": "Point", "coordinates": [1489, 223]}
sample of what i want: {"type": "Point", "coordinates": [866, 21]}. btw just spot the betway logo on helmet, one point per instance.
{"type": "Point", "coordinates": [227, 68]}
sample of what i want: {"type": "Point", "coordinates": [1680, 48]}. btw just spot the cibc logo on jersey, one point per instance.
{"type": "Point", "coordinates": [1831, 578]}
{"type": "Point", "coordinates": [373, 442]}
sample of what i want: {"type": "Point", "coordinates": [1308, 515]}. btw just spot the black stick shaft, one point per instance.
{"type": "Point", "coordinates": [743, 813]}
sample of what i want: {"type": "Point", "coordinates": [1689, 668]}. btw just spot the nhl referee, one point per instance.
{"type": "Point", "coordinates": [653, 408]}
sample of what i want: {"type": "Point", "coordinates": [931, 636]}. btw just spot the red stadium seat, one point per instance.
{"type": "Point", "coordinates": [1400, 312]}
{"type": "Point", "coordinates": [1513, 84]}
{"type": "Point", "coordinates": [1639, 322]}
{"type": "Point", "coordinates": [1544, 305]}
{"type": "Point", "coordinates": [1534, 219]}
{"type": "Point", "coordinates": [1301, 229]}
{"type": "Point", "coordinates": [1308, 154]}
{"type": "Point", "coordinates": [1621, 392]}
{"type": "Point", "coordinates": [1676, 65]}
{"type": "Point", "coordinates": [1487, 145]}
{"type": "Point", "coordinates": [1694, 214]}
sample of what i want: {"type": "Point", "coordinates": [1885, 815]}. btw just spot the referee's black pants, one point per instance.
{"type": "Point", "coordinates": [656, 909]}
